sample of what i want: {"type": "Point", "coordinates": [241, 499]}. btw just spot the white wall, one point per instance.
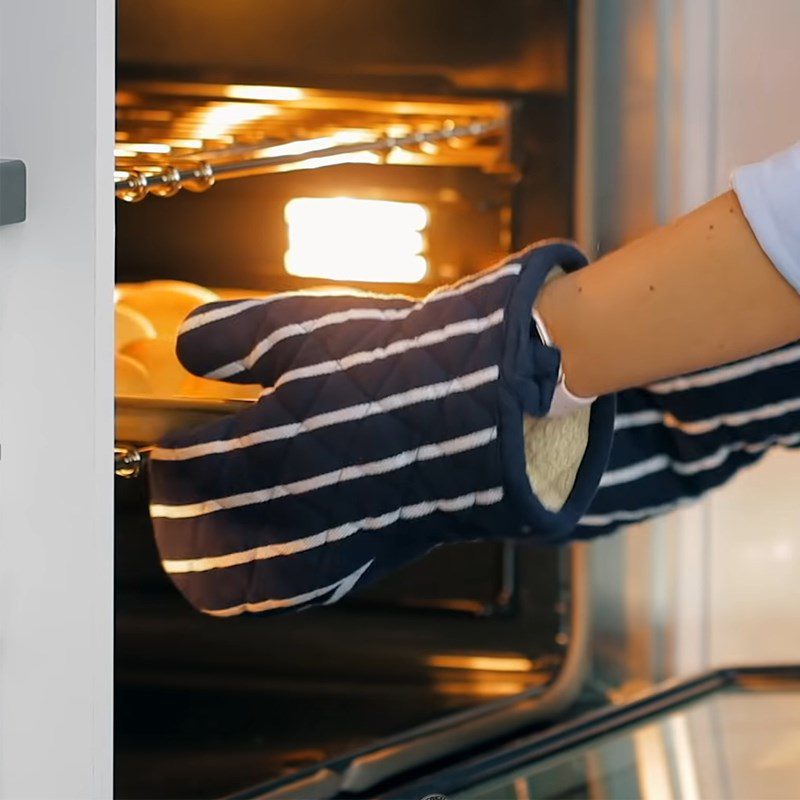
{"type": "Point", "coordinates": [56, 402]}
{"type": "Point", "coordinates": [674, 94]}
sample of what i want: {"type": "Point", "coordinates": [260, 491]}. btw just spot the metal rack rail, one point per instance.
{"type": "Point", "coordinates": [167, 180]}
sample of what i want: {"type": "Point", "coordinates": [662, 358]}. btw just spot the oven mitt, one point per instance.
{"type": "Point", "coordinates": [386, 427]}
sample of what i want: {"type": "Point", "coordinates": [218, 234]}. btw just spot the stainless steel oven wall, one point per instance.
{"type": "Point", "coordinates": [620, 194]}
{"type": "Point", "coordinates": [672, 95]}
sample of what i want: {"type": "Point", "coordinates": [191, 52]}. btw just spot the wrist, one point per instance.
{"type": "Point", "coordinates": [558, 314]}
{"type": "Point", "coordinates": [564, 400]}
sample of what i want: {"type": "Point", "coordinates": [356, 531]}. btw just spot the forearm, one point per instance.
{"type": "Point", "coordinates": [695, 294]}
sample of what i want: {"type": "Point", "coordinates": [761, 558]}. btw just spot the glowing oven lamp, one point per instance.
{"type": "Point", "coordinates": [350, 239]}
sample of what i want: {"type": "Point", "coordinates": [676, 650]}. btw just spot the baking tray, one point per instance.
{"type": "Point", "coordinates": [145, 420]}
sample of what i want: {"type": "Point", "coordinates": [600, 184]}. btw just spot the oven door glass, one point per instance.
{"type": "Point", "coordinates": [730, 736]}
{"type": "Point", "coordinates": [731, 745]}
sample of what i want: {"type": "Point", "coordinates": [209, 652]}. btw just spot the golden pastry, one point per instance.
{"type": "Point", "coordinates": [131, 325]}
{"type": "Point", "coordinates": [166, 303]}
{"type": "Point", "coordinates": [131, 377]}
{"type": "Point", "coordinates": [162, 365]}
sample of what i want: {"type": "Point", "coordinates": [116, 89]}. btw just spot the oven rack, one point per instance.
{"type": "Point", "coordinates": [142, 421]}
{"type": "Point", "coordinates": [166, 180]}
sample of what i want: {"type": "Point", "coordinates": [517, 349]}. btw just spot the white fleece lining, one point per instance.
{"type": "Point", "coordinates": [554, 448]}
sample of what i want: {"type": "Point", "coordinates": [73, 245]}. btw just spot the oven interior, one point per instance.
{"type": "Point", "coordinates": [232, 119]}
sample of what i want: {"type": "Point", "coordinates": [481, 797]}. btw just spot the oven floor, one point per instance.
{"type": "Point", "coordinates": [185, 729]}
{"type": "Point", "coordinates": [208, 744]}
{"type": "Point", "coordinates": [190, 723]}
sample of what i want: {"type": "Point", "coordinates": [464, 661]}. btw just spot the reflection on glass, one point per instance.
{"type": "Point", "coordinates": [732, 745]}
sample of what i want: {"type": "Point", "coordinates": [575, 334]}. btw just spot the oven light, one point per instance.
{"type": "Point", "coordinates": [351, 239]}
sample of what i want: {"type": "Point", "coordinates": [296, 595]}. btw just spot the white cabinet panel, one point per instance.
{"type": "Point", "coordinates": [754, 524]}
{"type": "Point", "coordinates": [755, 565]}
{"type": "Point", "coordinates": [758, 80]}
{"type": "Point", "coordinates": [56, 402]}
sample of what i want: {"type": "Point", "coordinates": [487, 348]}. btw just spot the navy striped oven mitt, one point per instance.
{"type": "Point", "coordinates": [386, 427]}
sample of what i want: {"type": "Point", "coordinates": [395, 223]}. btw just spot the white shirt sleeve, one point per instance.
{"type": "Point", "coordinates": [769, 193]}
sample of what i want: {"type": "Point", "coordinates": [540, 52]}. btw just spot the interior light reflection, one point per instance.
{"type": "Point", "coordinates": [276, 93]}
{"type": "Point", "coordinates": [320, 143]}
{"type": "Point", "coordinates": [219, 119]}
{"type": "Point", "coordinates": [147, 147]}
{"type": "Point", "coordinates": [485, 663]}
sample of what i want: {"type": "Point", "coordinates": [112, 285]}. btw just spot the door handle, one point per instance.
{"type": "Point", "coordinates": [12, 191]}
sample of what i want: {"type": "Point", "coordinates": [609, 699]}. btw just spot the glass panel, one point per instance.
{"type": "Point", "coordinates": [732, 745]}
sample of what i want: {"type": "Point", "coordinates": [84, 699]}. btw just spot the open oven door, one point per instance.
{"type": "Point", "coordinates": [727, 733]}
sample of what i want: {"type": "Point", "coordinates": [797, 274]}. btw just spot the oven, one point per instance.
{"type": "Point", "coordinates": [250, 130]}
{"type": "Point", "coordinates": [253, 141]}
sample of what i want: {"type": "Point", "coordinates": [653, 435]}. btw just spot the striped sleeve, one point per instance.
{"type": "Point", "coordinates": [676, 440]}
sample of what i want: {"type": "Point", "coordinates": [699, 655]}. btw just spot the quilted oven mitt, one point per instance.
{"type": "Point", "coordinates": [386, 427]}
